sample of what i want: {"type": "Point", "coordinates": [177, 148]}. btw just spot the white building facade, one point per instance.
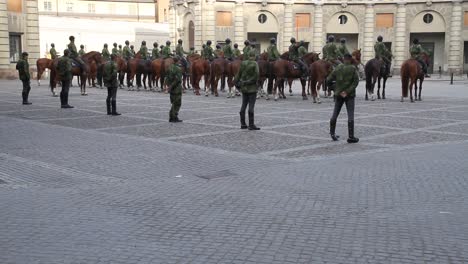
{"type": "Point", "coordinates": [440, 25]}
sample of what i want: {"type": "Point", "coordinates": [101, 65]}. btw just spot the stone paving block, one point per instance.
{"type": "Point", "coordinates": [52, 114]}
{"type": "Point", "coordinates": [333, 149]}
{"type": "Point", "coordinates": [185, 114]}
{"type": "Point", "coordinates": [418, 138]}
{"type": "Point", "coordinates": [99, 122]}
{"type": "Point", "coordinates": [398, 121]}
{"type": "Point", "coordinates": [462, 116]}
{"type": "Point", "coordinates": [461, 128]}
{"type": "Point", "coordinates": [126, 109]}
{"type": "Point", "coordinates": [261, 121]}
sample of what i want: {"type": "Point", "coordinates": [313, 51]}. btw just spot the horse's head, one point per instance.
{"type": "Point", "coordinates": [426, 57]}
{"type": "Point", "coordinates": [357, 55]}
{"type": "Point", "coordinates": [263, 56]}
{"type": "Point", "coordinates": [285, 55]}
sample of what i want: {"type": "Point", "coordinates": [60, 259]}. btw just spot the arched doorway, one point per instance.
{"type": "Point", "coordinates": [261, 28]}
{"type": "Point", "coordinates": [344, 25]}
{"type": "Point", "coordinates": [191, 34]}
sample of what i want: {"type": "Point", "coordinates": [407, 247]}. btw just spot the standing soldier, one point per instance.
{"type": "Point", "coordinates": [347, 80]}
{"type": "Point", "coordinates": [342, 49]}
{"type": "Point", "coordinates": [115, 50]}
{"type": "Point", "coordinates": [247, 79]}
{"type": "Point", "coordinates": [126, 53]}
{"type": "Point", "coordinates": [382, 53]}
{"type": "Point", "coordinates": [155, 51]}
{"type": "Point", "coordinates": [236, 51]}
{"type": "Point", "coordinates": [174, 80]}
{"type": "Point", "coordinates": [218, 52]}
{"type": "Point", "coordinates": [227, 50]}
{"type": "Point", "coordinates": [81, 52]}
{"type": "Point", "coordinates": [180, 52]}
{"type": "Point", "coordinates": [246, 50]}
{"type": "Point", "coordinates": [416, 52]}
{"type": "Point", "coordinates": [64, 71]}
{"type": "Point", "coordinates": [53, 53]}
{"type": "Point", "coordinates": [105, 53]}
{"type": "Point", "coordinates": [330, 51]}
{"type": "Point", "coordinates": [110, 81]}
{"type": "Point", "coordinates": [166, 51]}
{"type": "Point", "coordinates": [120, 50]}
{"type": "Point", "coordinates": [23, 71]}
{"type": "Point", "coordinates": [143, 51]}
{"type": "Point", "coordinates": [132, 51]}
{"type": "Point", "coordinates": [73, 54]}
{"type": "Point", "coordinates": [294, 56]}
{"type": "Point", "coordinates": [208, 51]}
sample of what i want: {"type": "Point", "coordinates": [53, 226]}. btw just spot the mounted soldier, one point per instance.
{"type": "Point", "coordinates": [272, 50]}
{"type": "Point", "coordinates": [294, 56]}
{"type": "Point", "coordinates": [330, 51]}
{"type": "Point", "coordinates": [382, 53]}
{"type": "Point", "coordinates": [81, 52]}
{"type": "Point", "coordinates": [218, 52]}
{"type": "Point", "coordinates": [115, 50]}
{"type": "Point", "coordinates": [155, 52]}
{"type": "Point", "coordinates": [132, 51]}
{"type": "Point", "coordinates": [74, 54]}
{"type": "Point", "coordinates": [120, 50]}
{"type": "Point", "coordinates": [227, 50]}
{"type": "Point", "coordinates": [302, 51]}
{"type": "Point", "coordinates": [208, 51]}
{"type": "Point", "coordinates": [416, 52]}
{"type": "Point", "coordinates": [180, 52]}
{"type": "Point", "coordinates": [105, 53]}
{"type": "Point", "coordinates": [166, 51]}
{"type": "Point", "coordinates": [192, 51]}
{"type": "Point", "coordinates": [126, 53]}
{"type": "Point", "coordinates": [202, 52]}
{"type": "Point", "coordinates": [236, 51]}
{"type": "Point", "coordinates": [342, 49]}
{"type": "Point", "coordinates": [246, 50]}
{"type": "Point", "coordinates": [53, 52]}
{"type": "Point", "coordinates": [143, 51]}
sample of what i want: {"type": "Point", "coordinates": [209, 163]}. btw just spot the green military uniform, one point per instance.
{"type": "Point", "coordinates": [105, 54]}
{"type": "Point", "coordinates": [155, 53]}
{"type": "Point", "coordinates": [236, 52]}
{"type": "Point", "coordinates": [174, 80]}
{"type": "Point", "coordinates": [115, 51]}
{"type": "Point", "coordinates": [293, 52]}
{"type": "Point", "coordinates": [166, 52]}
{"type": "Point", "coordinates": [416, 51]}
{"type": "Point", "coordinates": [246, 51]}
{"type": "Point", "coordinates": [110, 81]}
{"type": "Point", "coordinates": [228, 52]}
{"type": "Point", "coordinates": [202, 52]}
{"type": "Point", "coordinates": [208, 53]}
{"type": "Point", "coordinates": [81, 52]}
{"type": "Point", "coordinates": [346, 78]}
{"type": "Point", "coordinates": [330, 52]}
{"type": "Point", "coordinates": [53, 53]}
{"type": "Point", "coordinates": [191, 52]}
{"type": "Point", "coordinates": [301, 51]}
{"type": "Point", "coordinates": [294, 56]}
{"type": "Point", "coordinates": [247, 79]}
{"type": "Point", "coordinates": [23, 71]}
{"type": "Point", "coordinates": [218, 53]}
{"type": "Point", "coordinates": [64, 71]}
{"type": "Point", "coordinates": [120, 51]}
{"type": "Point", "coordinates": [143, 52]}
{"type": "Point", "coordinates": [132, 52]}
{"type": "Point", "coordinates": [126, 53]}
{"type": "Point", "coordinates": [380, 50]}
{"type": "Point", "coordinates": [73, 51]}
{"type": "Point", "coordinates": [273, 53]}
{"type": "Point", "coordinates": [342, 50]}
{"type": "Point", "coordinates": [180, 50]}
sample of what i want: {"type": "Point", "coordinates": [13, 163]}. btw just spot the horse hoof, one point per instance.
{"type": "Point", "coordinates": [319, 102]}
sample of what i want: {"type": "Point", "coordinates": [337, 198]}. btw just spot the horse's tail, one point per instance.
{"type": "Point", "coordinates": [405, 77]}
{"type": "Point", "coordinates": [368, 72]}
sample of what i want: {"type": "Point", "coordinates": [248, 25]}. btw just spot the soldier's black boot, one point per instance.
{"type": "Point", "coordinates": [242, 121]}
{"type": "Point", "coordinates": [108, 105]}
{"type": "Point", "coordinates": [114, 108]}
{"type": "Point", "coordinates": [25, 99]}
{"type": "Point", "coordinates": [332, 131]}
{"type": "Point", "coordinates": [351, 138]}
{"type": "Point", "coordinates": [252, 125]}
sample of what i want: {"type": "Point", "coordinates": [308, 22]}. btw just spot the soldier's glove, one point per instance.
{"type": "Point", "coordinates": [330, 83]}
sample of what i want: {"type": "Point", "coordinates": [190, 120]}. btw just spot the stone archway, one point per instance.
{"type": "Point", "coordinates": [191, 34]}
{"type": "Point", "coordinates": [189, 31]}
{"type": "Point", "coordinates": [344, 25]}
{"type": "Point", "coordinates": [261, 27]}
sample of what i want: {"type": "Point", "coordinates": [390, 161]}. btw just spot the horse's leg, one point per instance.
{"type": "Point", "coordinates": [303, 83]}
{"type": "Point", "coordinates": [378, 87]}
{"type": "Point", "coordinates": [412, 82]}
{"type": "Point", "coordinates": [319, 84]}
{"type": "Point", "coordinates": [383, 87]}
{"type": "Point", "coordinates": [420, 88]}
{"type": "Point", "coordinates": [275, 88]}
{"type": "Point", "coordinates": [290, 81]}
{"type": "Point", "coordinates": [416, 90]}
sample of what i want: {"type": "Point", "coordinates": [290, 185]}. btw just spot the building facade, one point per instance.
{"type": "Point", "coordinates": [19, 32]}
{"type": "Point", "coordinates": [440, 25]}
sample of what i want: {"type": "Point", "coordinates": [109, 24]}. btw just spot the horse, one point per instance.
{"type": "Point", "coordinates": [76, 71]}
{"type": "Point", "coordinates": [217, 72]}
{"type": "Point", "coordinates": [138, 67]}
{"type": "Point", "coordinates": [42, 65]}
{"type": "Point", "coordinates": [199, 68]}
{"type": "Point", "coordinates": [319, 70]}
{"type": "Point", "coordinates": [410, 72]}
{"type": "Point", "coordinates": [285, 70]}
{"type": "Point", "coordinates": [375, 71]}
{"type": "Point", "coordinates": [157, 71]}
{"type": "Point", "coordinates": [232, 69]}
{"type": "Point", "coordinates": [94, 61]}
{"type": "Point", "coordinates": [121, 69]}
{"type": "Point", "coordinates": [92, 75]}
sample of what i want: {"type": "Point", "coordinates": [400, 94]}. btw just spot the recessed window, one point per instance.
{"type": "Point", "coordinates": [343, 19]}
{"type": "Point", "coordinates": [384, 20]}
{"type": "Point", "coordinates": [427, 18]}
{"type": "Point", "coordinates": [262, 18]}
{"type": "Point", "coordinates": [15, 6]}
{"type": "Point", "coordinates": [302, 20]}
{"type": "Point", "coordinates": [47, 6]}
{"type": "Point", "coordinates": [465, 18]}
{"type": "Point", "coordinates": [223, 19]}
{"type": "Point", "coordinates": [15, 47]}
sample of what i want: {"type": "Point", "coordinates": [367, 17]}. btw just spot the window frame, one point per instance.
{"type": "Point", "coordinates": [93, 9]}
{"type": "Point", "coordinates": [383, 15]}
{"type": "Point", "coordinates": [219, 18]}
{"type": "Point", "coordinates": [69, 5]}
{"type": "Point", "coordinates": [302, 15]}
{"type": "Point", "coordinates": [12, 55]}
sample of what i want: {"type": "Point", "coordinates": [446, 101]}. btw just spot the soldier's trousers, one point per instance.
{"type": "Point", "coordinates": [248, 99]}
{"type": "Point", "coordinates": [111, 99]}
{"type": "Point", "coordinates": [176, 102]}
{"type": "Point", "coordinates": [339, 101]}
{"type": "Point", "coordinates": [64, 92]}
{"type": "Point", "coordinates": [303, 66]}
{"type": "Point", "coordinates": [26, 90]}
{"type": "Point", "coordinates": [423, 65]}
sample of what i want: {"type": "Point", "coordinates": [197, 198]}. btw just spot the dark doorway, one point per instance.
{"type": "Point", "coordinates": [191, 34]}
{"type": "Point", "coordinates": [429, 47]}
{"type": "Point", "coordinates": [261, 41]}
{"type": "Point", "coordinates": [465, 57]}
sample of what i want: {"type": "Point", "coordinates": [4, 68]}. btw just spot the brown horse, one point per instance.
{"type": "Point", "coordinates": [375, 71]}
{"type": "Point", "coordinates": [76, 71]}
{"type": "Point", "coordinates": [92, 75]}
{"type": "Point", "coordinates": [218, 70]}
{"type": "Point", "coordinates": [139, 67]}
{"type": "Point", "coordinates": [94, 61]}
{"type": "Point", "coordinates": [232, 69]}
{"type": "Point", "coordinates": [410, 72]}
{"type": "Point", "coordinates": [121, 69]}
{"type": "Point", "coordinates": [42, 65]}
{"type": "Point", "coordinates": [319, 71]}
{"type": "Point", "coordinates": [200, 68]}
{"type": "Point", "coordinates": [285, 70]}
{"type": "Point", "coordinates": [157, 72]}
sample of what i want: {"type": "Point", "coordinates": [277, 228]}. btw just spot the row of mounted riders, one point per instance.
{"type": "Point", "coordinates": [277, 73]}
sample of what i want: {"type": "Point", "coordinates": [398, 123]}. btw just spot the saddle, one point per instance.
{"type": "Point", "coordinates": [295, 65]}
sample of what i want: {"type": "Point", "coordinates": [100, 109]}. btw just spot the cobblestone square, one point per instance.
{"type": "Point", "coordinates": [78, 186]}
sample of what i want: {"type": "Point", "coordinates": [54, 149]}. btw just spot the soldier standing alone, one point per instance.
{"type": "Point", "coordinates": [174, 80]}
{"type": "Point", "coordinates": [110, 81]}
{"type": "Point", "coordinates": [347, 80]}
{"type": "Point", "coordinates": [247, 79]}
{"type": "Point", "coordinates": [23, 70]}
{"type": "Point", "coordinates": [64, 71]}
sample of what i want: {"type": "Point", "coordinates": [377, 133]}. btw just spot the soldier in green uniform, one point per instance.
{"type": "Point", "coordinates": [174, 80]}
{"type": "Point", "coordinates": [416, 51]}
{"type": "Point", "coordinates": [180, 52]}
{"type": "Point", "coordinates": [218, 51]}
{"type": "Point", "coordinates": [227, 50]}
{"type": "Point", "coordinates": [330, 51]}
{"type": "Point", "coordinates": [126, 53]}
{"type": "Point", "coordinates": [246, 50]}
{"type": "Point", "coordinates": [81, 52]}
{"type": "Point", "coordinates": [109, 76]}
{"type": "Point", "coordinates": [73, 54]}
{"type": "Point", "coordinates": [23, 71]}
{"type": "Point", "coordinates": [246, 80]}
{"type": "Point", "coordinates": [120, 51]}
{"type": "Point", "coordinates": [202, 52]}
{"type": "Point", "coordinates": [302, 50]}
{"type": "Point", "coordinates": [342, 49]}
{"type": "Point", "coordinates": [143, 51]}
{"type": "Point", "coordinates": [208, 51]}
{"type": "Point", "coordinates": [166, 51]}
{"type": "Point", "coordinates": [115, 50]}
{"type": "Point", "coordinates": [272, 51]}
{"type": "Point", "coordinates": [53, 53]}
{"type": "Point", "coordinates": [132, 51]}
{"type": "Point", "coordinates": [105, 53]}
{"type": "Point", "coordinates": [347, 80]}
{"type": "Point", "coordinates": [64, 71]}
{"type": "Point", "coordinates": [236, 51]}
{"type": "Point", "coordinates": [192, 51]}
{"type": "Point", "coordinates": [294, 56]}
{"type": "Point", "coordinates": [155, 52]}
{"type": "Point", "coordinates": [382, 53]}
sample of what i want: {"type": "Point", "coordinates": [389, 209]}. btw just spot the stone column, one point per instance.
{"type": "Point", "coordinates": [287, 25]}
{"type": "Point", "coordinates": [210, 24]}
{"type": "Point", "coordinates": [318, 28]}
{"type": "Point", "coordinates": [4, 38]}
{"type": "Point", "coordinates": [198, 26]}
{"type": "Point", "coordinates": [239, 33]}
{"type": "Point", "coordinates": [401, 41]}
{"type": "Point", "coordinates": [172, 21]}
{"type": "Point", "coordinates": [32, 32]}
{"type": "Point", "coordinates": [455, 45]}
{"type": "Point", "coordinates": [369, 24]}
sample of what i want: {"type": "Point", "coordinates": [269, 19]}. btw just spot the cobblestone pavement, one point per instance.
{"type": "Point", "coordinates": [78, 186]}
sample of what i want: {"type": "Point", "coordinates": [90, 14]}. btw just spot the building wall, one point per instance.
{"type": "Point", "coordinates": [361, 29]}
{"type": "Point", "coordinates": [18, 21]}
